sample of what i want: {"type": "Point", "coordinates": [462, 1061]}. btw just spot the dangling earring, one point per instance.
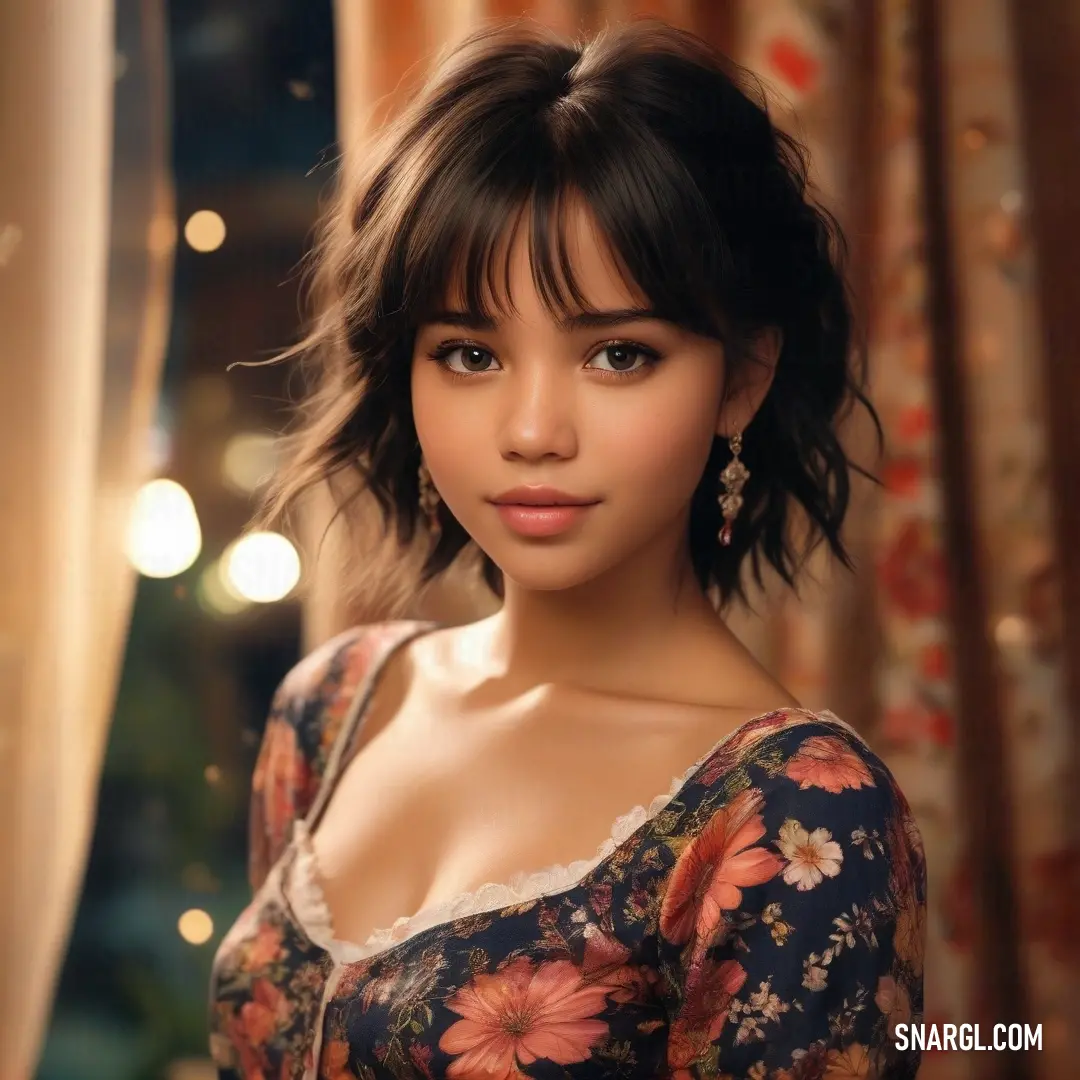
{"type": "Point", "coordinates": [734, 479]}
{"type": "Point", "coordinates": [429, 497]}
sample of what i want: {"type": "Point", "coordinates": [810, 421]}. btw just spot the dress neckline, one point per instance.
{"type": "Point", "coordinates": [304, 883]}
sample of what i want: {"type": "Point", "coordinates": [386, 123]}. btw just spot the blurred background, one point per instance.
{"type": "Point", "coordinates": [162, 165]}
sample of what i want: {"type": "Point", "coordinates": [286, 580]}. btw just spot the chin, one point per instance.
{"type": "Point", "coordinates": [553, 568]}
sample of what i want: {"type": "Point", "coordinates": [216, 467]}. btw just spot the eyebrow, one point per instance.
{"type": "Point", "coordinates": [584, 320]}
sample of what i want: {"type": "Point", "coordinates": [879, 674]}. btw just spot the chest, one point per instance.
{"type": "Point", "coordinates": [431, 810]}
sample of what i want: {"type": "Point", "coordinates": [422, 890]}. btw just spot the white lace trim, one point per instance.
{"type": "Point", "coordinates": [308, 901]}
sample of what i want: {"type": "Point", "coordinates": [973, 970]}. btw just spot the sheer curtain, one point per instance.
{"type": "Point", "coordinates": [75, 408]}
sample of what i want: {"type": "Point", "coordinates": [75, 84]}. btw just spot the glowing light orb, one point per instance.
{"type": "Point", "coordinates": [195, 926]}
{"type": "Point", "coordinates": [164, 537]}
{"type": "Point", "coordinates": [205, 230]}
{"type": "Point", "coordinates": [262, 567]}
{"type": "Point", "coordinates": [248, 461]}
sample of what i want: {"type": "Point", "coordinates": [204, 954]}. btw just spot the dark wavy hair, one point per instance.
{"type": "Point", "coordinates": [702, 199]}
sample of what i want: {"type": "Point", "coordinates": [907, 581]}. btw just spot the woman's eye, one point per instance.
{"type": "Point", "coordinates": [468, 359]}
{"type": "Point", "coordinates": [621, 358]}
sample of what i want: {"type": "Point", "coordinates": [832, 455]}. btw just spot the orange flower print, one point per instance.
{"type": "Point", "coordinates": [335, 1061]}
{"type": "Point", "coordinates": [893, 999]}
{"type": "Point", "coordinates": [251, 1058]}
{"type": "Point", "coordinates": [281, 774]}
{"type": "Point", "coordinates": [714, 868]}
{"type": "Point", "coordinates": [811, 856]}
{"type": "Point", "coordinates": [826, 761]}
{"type": "Point", "coordinates": [264, 1014]}
{"type": "Point", "coordinates": [264, 948]}
{"type": "Point", "coordinates": [850, 1063]}
{"type": "Point", "coordinates": [703, 1013]}
{"type": "Point", "coordinates": [605, 959]}
{"type": "Point", "coordinates": [520, 1014]}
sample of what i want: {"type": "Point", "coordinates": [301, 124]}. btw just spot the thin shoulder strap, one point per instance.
{"type": "Point", "coordinates": [375, 649]}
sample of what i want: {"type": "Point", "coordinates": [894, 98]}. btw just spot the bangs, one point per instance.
{"type": "Point", "coordinates": [472, 272]}
{"type": "Point", "coordinates": [658, 231]}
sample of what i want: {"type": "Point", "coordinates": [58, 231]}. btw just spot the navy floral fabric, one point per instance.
{"type": "Point", "coordinates": [766, 923]}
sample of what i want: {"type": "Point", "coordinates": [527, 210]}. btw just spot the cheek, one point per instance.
{"type": "Point", "coordinates": [661, 445]}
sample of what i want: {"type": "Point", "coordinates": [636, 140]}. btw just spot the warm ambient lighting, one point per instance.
{"type": "Point", "coordinates": [205, 230]}
{"type": "Point", "coordinates": [161, 234]}
{"type": "Point", "coordinates": [164, 537]}
{"type": "Point", "coordinates": [216, 595]}
{"type": "Point", "coordinates": [195, 926]}
{"type": "Point", "coordinates": [262, 567]}
{"type": "Point", "coordinates": [248, 461]}
{"type": "Point", "coordinates": [1012, 630]}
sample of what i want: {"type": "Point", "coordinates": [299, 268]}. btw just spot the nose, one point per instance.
{"type": "Point", "coordinates": [538, 416]}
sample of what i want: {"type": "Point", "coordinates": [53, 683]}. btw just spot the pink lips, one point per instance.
{"type": "Point", "coordinates": [541, 511]}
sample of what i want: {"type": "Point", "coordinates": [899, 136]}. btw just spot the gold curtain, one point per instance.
{"type": "Point", "coordinates": [75, 408]}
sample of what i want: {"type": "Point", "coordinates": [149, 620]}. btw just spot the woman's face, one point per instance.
{"type": "Point", "coordinates": [616, 412]}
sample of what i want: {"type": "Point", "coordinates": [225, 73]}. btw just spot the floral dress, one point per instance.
{"type": "Point", "coordinates": [762, 919]}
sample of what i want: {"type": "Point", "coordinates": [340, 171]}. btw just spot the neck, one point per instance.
{"type": "Point", "coordinates": [595, 634]}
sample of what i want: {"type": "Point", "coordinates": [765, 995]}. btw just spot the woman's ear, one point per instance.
{"type": "Point", "coordinates": [744, 395]}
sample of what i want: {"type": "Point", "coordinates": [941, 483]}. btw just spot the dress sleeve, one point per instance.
{"type": "Point", "coordinates": [792, 922]}
{"type": "Point", "coordinates": [304, 721]}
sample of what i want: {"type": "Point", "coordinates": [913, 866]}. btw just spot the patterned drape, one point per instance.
{"type": "Point", "coordinates": [915, 724]}
{"type": "Point", "coordinates": [1003, 370]}
{"type": "Point", "coordinates": [916, 727]}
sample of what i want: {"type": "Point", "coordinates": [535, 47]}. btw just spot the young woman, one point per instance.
{"type": "Point", "coordinates": [578, 317]}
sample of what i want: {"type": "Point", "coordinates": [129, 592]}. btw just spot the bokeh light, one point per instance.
{"type": "Point", "coordinates": [164, 537]}
{"type": "Point", "coordinates": [248, 461]}
{"type": "Point", "coordinates": [1012, 631]}
{"type": "Point", "coordinates": [205, 230]}
{"type": "Point", "coordinates": [195, 926]}
{"type": "Point", "coordinates": [262, 567]}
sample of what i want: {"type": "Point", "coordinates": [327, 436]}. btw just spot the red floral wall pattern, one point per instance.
{"type": "Point", "coordinates": [796, 47]}
{"type": "Point", "coordinates": [917, 721]}
{"type": "Point", "coordinates": [1001, 362]}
